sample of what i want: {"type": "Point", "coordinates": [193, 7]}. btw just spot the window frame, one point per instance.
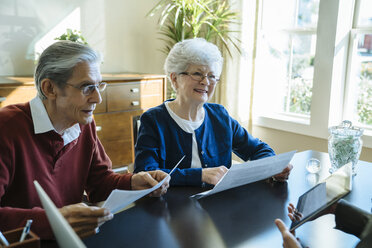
{"type": "Point", "coordinates": [331, 75]}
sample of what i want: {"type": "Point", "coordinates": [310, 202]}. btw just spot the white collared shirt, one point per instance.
{"type": "Point", "coordinates": [188, 127]}
{"type": "Point", "coordinates": [42, 123]}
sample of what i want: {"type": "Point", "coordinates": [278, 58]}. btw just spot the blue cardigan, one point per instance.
{"type": "Point", "coordinates": [162, 143]}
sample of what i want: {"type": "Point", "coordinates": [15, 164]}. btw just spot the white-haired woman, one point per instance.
{"type": "Point", "coordinates": [190, 126]}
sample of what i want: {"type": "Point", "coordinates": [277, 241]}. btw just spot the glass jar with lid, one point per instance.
{"type": "Point", "coordinates": [344, 145]}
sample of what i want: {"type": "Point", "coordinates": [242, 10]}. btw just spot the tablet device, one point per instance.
{"type": "Point", "coordinates": [324, 194]}
{"type": "Point", "coordinates": [65, 235]}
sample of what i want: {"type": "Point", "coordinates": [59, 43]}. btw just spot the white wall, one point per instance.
{"type": "Point", "coordinates": [116, 28]}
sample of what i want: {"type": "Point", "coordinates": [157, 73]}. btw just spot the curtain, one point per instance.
{"type": "Point", "coordinates": [236, 88]}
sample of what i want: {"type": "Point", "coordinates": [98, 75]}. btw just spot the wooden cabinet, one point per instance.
{"type": "Point", "coordinates": [16, 93]}
{"type": "Point", "coordinates": [126, 97]}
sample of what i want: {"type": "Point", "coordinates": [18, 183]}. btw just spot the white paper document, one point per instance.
{"type": "Point", "coordinates": [249, 172]}
{"type": "Point", "coordinates": [119, 199]}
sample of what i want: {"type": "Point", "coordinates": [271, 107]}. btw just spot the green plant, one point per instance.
{"type": "Point", "coordinates": [185, 19]}
{"type": "Point", "coordinates": [73, 35]}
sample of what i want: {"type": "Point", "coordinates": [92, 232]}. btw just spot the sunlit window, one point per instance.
{"type": "Point", "coordinates": [359, 93]}
{"type": "Point", "coordinates": [285, 57]}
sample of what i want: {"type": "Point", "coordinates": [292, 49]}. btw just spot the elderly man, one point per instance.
{"type": "Point", "coordinates": [52, 139]}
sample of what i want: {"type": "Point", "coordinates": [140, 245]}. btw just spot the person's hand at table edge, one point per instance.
{"type": "Point", "coordinates": [284, 175]}
{"type": "Point", "coordinates": [148, 179]}
{"type": "Point", "coordinates": [213, 175]}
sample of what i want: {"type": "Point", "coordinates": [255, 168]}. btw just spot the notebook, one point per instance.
{"type": "Point", "coordinates": [324, 194]}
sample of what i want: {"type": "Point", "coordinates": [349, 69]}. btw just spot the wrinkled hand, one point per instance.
{"type": "Point", "coordinates": [85, 220]}
{"type": "Point", "coordinates": [145, 180]}
{"type": "Point", "coordinates": [289, 240]}
{"type": "Point", "coordinates": [213, 175]}
{"type": "Point", "coordinates": [283, 176]}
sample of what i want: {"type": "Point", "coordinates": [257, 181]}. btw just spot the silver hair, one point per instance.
{"type": "Point", "coordinates": [196, 51]}
{"type": "Point", "coordinates": [58, 61]}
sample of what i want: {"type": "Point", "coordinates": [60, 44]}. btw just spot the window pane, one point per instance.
{"type": "Point", "coordinates": [308, 13]}
{"type": "Point", "coordinates": [278, 14]}
{"type": "Point", "coordinates": [285, 53]}
{"type": "Point", "coordinates": [363, 80]}
{"type": "Point", "coordinates": [286, 14]}
{"type": "Point", "coordinates": [299, 87]}
{"type": "Point", "coordinates": [284, 73]}
{"type": "Point", "coordinates": [271, 73]}
{"type": "Point", "coordinates": [365, 13]}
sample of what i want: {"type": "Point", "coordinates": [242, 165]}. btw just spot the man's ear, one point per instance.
{"type": "Point", "coordinates": [48, 88]}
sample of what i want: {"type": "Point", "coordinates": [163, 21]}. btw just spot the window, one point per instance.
{"type": "Point", "coordinates": [359, 88]}
{"type": "Point", "coordinates": [314, 66]}
{"type": "Point", "coordinates": [285, 56]}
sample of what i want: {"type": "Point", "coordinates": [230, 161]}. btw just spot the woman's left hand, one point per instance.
{"type": "Point", "coordinates": [283, 176]}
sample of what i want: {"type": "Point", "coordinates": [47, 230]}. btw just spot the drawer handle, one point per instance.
{"type": "Point", "coordinates": [2, 99]}
{"type": "Point", "coordinates": [98, 128]}
{"type": "Point", "coordinates": [134, 90]}
{"type": "Point", "coordinates": [135, 103]}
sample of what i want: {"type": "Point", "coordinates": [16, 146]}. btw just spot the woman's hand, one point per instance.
{"type": "Point", "coordinates": [283, 176]}
{"type": "Point", "coordinates": [85, 220]}
{"type": "Point", "coordinates": [213, 175]}
{"type": "Point", "coordinates": [145, 180]}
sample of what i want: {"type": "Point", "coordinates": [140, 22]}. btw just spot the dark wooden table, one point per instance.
{"type": "Point", "coordinates": [240, 217]}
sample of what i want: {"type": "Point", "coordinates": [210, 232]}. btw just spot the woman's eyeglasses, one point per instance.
{"type": "Point", "coordinates": [197, 76]}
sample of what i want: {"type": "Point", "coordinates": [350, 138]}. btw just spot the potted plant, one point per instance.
{"type": "Point", "coordinates": [185, 19]}
{"type": "Point", "coordinates": [73, 35]}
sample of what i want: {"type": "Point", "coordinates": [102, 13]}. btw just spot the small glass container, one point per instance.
{"type": "Point", "coordinates": [313, 165]}
{"type": "Point", "coordinates": [344, 145]}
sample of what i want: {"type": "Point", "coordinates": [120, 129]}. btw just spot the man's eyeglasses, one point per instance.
{"type": "Point", "coordinates": [90, 88]}
{"type": "Point", "coordinates": [197, 76]}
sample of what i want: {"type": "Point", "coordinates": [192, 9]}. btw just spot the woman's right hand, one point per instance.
{"type": "Point", "coordinates": [213, 175]}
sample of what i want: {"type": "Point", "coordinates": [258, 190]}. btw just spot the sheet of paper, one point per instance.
{"type": "Point", "coordinates": [119, 199]}
{"type": "Point", "coordinates": [249, 172]}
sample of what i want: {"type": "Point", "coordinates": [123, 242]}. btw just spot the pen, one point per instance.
{"type": "Point", "coordinates": [26, 230]}
{"type": "Point", "coordinates": [3, 239]}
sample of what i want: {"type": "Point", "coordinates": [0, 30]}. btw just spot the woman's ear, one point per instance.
{"type": "Point", "coordinates": [174, 82]}
{"type": "Point", "coordinates": [48, 88]}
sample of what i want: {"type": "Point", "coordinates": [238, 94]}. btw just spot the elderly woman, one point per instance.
{"type": "Point", "coordinates": [190, 126]}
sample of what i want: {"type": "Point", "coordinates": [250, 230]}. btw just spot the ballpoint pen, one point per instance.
{"type": "Point", "coordinates": [26, 230]}
{"type": "Point", "coordinates": [3, 240]}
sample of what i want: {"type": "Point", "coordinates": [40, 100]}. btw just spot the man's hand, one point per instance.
{"type": "Point", "coordinates": [85, 220]}
{"type": "Point", "coordinates": [289, 241]}
{"type": "Point", "coordinates": [293, 213]}
{"type": "Point", "coordinates": [283, 176]}
{"type": "Point", "coordinates": [213, 175]}
{"type": "Point", "coordinates": [145, 180]}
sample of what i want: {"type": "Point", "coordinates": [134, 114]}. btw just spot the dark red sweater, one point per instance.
{"type": "Point", "coordinates": [63, 172]}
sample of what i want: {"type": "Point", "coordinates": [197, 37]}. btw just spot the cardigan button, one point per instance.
{"type": "Point", "coordinates": [202, 152]}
